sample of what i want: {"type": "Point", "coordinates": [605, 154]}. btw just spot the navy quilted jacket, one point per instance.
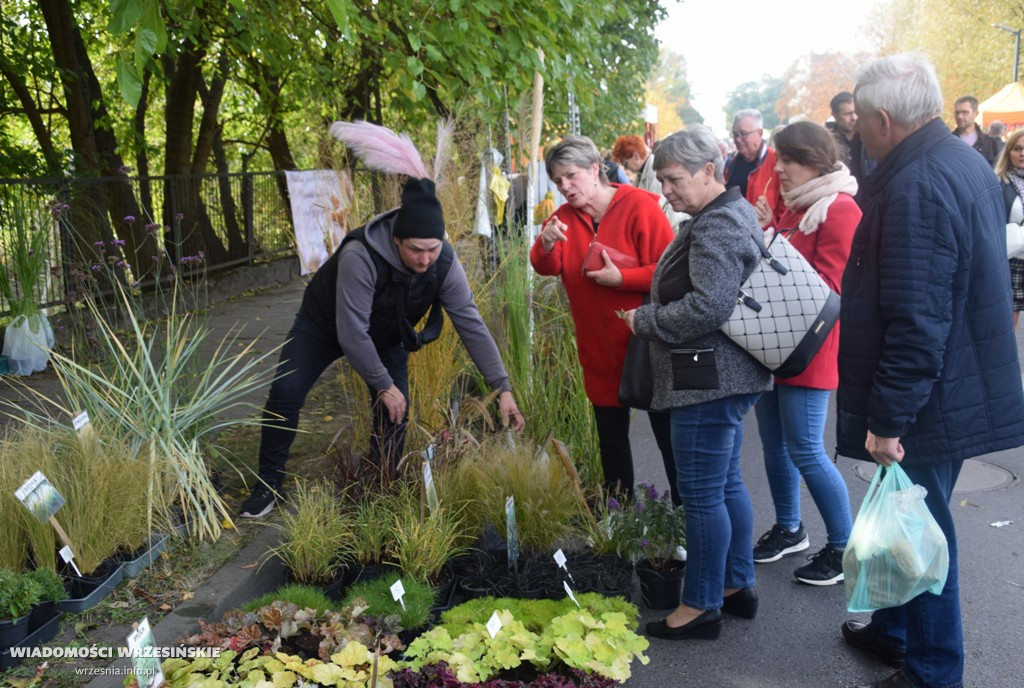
{"type": "Point", "coordinates": [927, 351]}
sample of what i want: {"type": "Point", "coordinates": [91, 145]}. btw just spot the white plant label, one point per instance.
{"type": "Point", "coordinates": [69, 558]}
{"type": "Point", "coordinates": [511, 531]}
{"type": "Point", "coordinates": [494, 625]}
{"type": "Point", "coordinates": [398, 592]}
{"type": "Point", "coordinates": [80, 421]}
{"type": "Point", "coordinates": [568, 591]}
{"type": "Point", "coordinates": [428, 484]}
{"type": "Point", "coordinates": [560, 560]}
{"type": "Point", "coordinates": [145, 658]}
{"type": "Point", "coordinates": [40, 497]}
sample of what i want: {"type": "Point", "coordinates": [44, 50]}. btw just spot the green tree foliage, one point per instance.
{"type": "Point", "coordinates": [761, 95]}
{"type": "Point", "coordinates": [669, 89]}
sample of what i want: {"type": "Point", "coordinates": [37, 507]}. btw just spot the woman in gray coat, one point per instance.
{"type": "Point", "coordinates": [705, 380]}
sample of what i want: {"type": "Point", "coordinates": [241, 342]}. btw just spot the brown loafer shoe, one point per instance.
{"type": "Point", "coordinates": [860, 636]}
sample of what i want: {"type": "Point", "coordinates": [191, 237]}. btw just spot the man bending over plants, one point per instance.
{"type": "Point", "coordinates": [365, 302]}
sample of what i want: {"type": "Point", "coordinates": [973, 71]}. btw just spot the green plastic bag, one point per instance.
{"type": "Point", "coordinates": [896, 550]}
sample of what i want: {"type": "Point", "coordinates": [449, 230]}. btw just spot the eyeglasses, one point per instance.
{"type": "Point", "coordinates": [743, 134]}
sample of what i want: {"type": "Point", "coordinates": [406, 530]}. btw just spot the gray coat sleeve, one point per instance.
{"type": "Point", "coordinates": [457, 300]}
{"type": "Point", "coordinates": [357, 277]}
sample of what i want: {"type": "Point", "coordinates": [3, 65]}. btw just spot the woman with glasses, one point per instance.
{"type": "Point", "coordinates": [629, 222]}
{"type": "Point", "coordinates": [819, 219]}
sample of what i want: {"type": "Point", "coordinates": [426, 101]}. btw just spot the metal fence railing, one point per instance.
{"type": "Point", "coordinates": [230, 219]}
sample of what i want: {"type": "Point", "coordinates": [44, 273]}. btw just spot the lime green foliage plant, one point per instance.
{"type": "Point", "coordinates": [536, 615]}
{"type": "Point", "coordinates": [315, 534]}
{"type": "Point", "coordinates": [650, 529]}
{"type": "Point", "coordinates": [303, 596]}
{"type": "Point", "coordinates": [375, 596]}
{"type": "Point", "coordinates": [354, 666]}
{"type": "Point", "coordinates": [605, 644]}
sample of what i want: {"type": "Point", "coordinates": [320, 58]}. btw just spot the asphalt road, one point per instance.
{"type": "Point", "coordinates": [795, 640]}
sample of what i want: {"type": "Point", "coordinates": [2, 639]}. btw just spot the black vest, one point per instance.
{"type": "Point", "coordinates": [399, 301]}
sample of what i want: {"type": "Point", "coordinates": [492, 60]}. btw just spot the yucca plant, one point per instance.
{"type": "Point", "coordinates": [316, 535]}
{"type": "Point", "coordinates": [166, 394]}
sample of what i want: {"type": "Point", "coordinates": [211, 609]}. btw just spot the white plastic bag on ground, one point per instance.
{"type": "Point", "coordinates": [27, 344]}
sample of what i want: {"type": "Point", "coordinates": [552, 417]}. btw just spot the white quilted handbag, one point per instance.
{"type": "Point", "coordinates": [784, 311]}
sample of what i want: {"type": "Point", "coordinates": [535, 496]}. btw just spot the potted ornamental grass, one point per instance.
{"type": "Point", "coordinates": [316, 535]}
{"type": "Point", "coordinates": [649, 533]}
{"type": "Point", "coordinates": [28, 229]}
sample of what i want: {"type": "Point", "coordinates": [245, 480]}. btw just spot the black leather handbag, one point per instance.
{"type": "Point", "coordinates": [636, 387]}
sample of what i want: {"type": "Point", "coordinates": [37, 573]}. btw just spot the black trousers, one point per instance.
{"type": "Point", "coordinates": [616, 455]}
{"type": "Point", "coordinates": [304, 357]}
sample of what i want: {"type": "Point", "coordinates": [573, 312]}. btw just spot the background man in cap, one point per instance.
{"type": "Point", "coordinates": [364, 304]}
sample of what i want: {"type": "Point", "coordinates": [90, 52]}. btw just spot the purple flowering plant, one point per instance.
{"type": "Point", "coordinates": [650, 528]}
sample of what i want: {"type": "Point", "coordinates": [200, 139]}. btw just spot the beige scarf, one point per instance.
{"type": "Point", "coordinates": [816, 195]}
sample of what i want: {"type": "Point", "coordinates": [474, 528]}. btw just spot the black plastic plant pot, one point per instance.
{"type": "Point", "coordinates": [13, 632]}
{"type": "Point", "coordinates": [661, 588]}
{"type": "Point", "coordinates": [41, 635]}
{"type": "Point", "coordinates": [41, 614]}
{"type": "Point", "coordinates": [87, 592]}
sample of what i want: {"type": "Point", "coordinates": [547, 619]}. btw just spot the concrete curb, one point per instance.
{"type": "Point", "coordinates": [234, 583]}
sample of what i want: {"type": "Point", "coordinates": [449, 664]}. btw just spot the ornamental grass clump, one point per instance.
{"type": "Point", "coordinates": [316, 534]}
{"type": "Point", "coordinates": [165, 394]}
{"type": "Point", "coordinates": [420, 540]}
{"type": "Point", "coordinates": [27, 232]}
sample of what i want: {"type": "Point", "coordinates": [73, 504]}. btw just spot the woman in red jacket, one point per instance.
{"type": "Point", "coordinates": [819, 220]}
{"type": "Point", "coordinates": [629, 221]}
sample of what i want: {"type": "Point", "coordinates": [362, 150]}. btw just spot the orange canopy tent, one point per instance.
{"type": "Point", "coordinates": [1007, 106]}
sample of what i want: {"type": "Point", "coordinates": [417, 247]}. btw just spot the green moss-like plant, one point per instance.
{"type": "Point", "coordinates": [376, 593]}
{"type": "Point", "coordinates": [303, 596]}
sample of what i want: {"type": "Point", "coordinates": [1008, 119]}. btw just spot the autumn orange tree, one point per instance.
{"type": "Point", "coordinates": [811, 81]}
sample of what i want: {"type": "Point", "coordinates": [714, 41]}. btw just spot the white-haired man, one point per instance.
{"type": "Point", "coordinates": [928, 370]}
{"type": "Point", "coordinates": [752, 169]}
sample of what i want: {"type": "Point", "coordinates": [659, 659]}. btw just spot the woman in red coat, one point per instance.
{"type": "Point", "coordinates": [628, 220]}
{"type": "Point", "coordinates": [819, 220]}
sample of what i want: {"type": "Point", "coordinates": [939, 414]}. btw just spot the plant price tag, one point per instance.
{"type": "Point", "coordinates": [511, 531]}
{"type": "Point", "coordinates": [560, 560]}
{"type": "Point", "coordinates": [145, 658]}
{"type": "Point", "coordinates": [568, 591]}
{"type": "Point", "coordinates": [69, 558]}
{"type": "Point", "coordinates": [398, 592]}
{"type": "Point", "coordinates": [40, 497]}
{"type": "Point", "coordinates": [428, 484]}
{"type": "Point", "coordinates": [81, 424]}
{"type": "Point", "coordinates": [494, 625]}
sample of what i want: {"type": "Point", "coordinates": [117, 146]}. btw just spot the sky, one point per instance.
{"type": "Point", "coordinates": [728, 43]}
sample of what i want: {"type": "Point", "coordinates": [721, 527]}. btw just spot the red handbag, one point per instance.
{"type": "Point", "coordinates": [594, 260]}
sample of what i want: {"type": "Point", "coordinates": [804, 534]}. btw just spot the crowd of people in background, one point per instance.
{"type": "Point", "coordinates": [902, 218]}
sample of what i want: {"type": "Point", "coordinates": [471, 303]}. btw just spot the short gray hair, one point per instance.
{"type": "Point", "coordinates": [752, 113]}
{"type": "Point", "coordinates": [692, 148]}
{"type": "Point", "coordinates": [904, 85]}
{"type": "Point", "coordinates": [578, 151]}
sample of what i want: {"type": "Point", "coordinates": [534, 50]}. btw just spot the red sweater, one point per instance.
{"type": "Point", "coordinates": [633, 224]}
{"type": "Point", "coordinates": [827, 249]}
{"type": "Point", "coordinates": [764, 182]}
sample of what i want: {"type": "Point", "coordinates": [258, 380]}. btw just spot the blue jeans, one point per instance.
{"type": "Point", "coordinates": [706, 440]}
{"type": "Point", "coordinates": [929, 626]}
{"type": "Point", "coordinates": [791, 422]}
{"type": "Point", "coordinates": [304, 357]}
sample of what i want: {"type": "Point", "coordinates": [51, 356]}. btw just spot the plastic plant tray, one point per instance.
{"type": "Point", "coordinates": [95, 597]}
{"type": "Point", "coordinates": [134, 567]}
{"type": "Point", "coordinates": [41, 635]}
